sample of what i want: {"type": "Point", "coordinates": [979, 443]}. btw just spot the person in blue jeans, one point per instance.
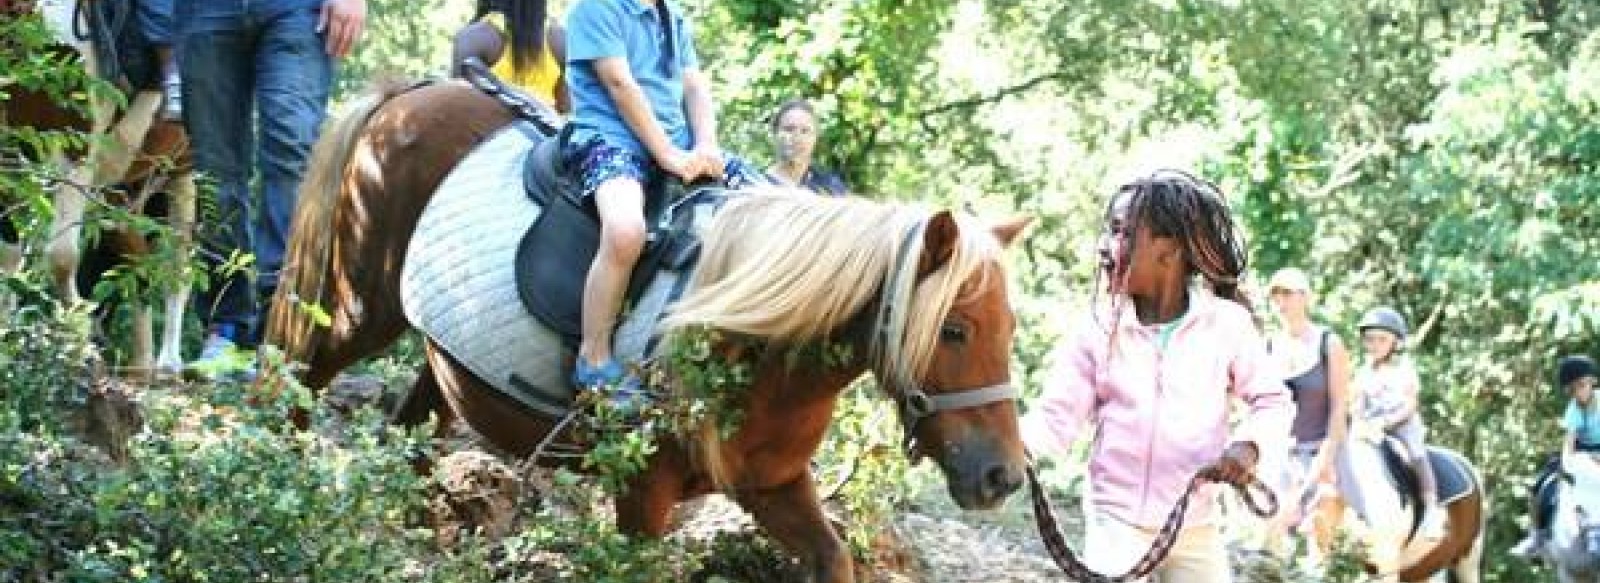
{"type": "Point", "coordinates": [154, 18]}
{"type": "Point", "coordinates": [256, 76]}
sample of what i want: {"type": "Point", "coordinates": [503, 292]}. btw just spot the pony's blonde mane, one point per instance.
{"type": "Point", "coordinates": [792, 268]}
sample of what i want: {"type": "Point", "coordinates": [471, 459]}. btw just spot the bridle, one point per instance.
{"type": "Point", "coordinates": [913, 401]}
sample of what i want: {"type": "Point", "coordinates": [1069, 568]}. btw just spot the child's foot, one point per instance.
{"type": "Point", "coordinates": [1432, 524]}
{"type": "Point", "coordinates": [622, 392]}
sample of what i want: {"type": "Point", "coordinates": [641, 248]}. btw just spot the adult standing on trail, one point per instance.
{"type": "Point", "coordinates": [256, 77]}
{"type": "Point", "coordinates": [794, 138]}
{"type": "Point", "coordinates": [1316, 367]}
{"type": "Point", "coordinates": [1154, 370]}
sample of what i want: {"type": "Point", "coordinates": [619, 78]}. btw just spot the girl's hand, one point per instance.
{"type": "Point", "coordinates": [681, 164]}
{"type": "Point", "coordinates": [1236, 465]}
{"type": "Point", "coordinates": [709, 160]}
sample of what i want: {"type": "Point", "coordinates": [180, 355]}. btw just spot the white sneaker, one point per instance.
{"type": "Point", "coordinates": [221, 359]}
{"type": "Point", "coordinates": [1529, 547]}
{"type": "Point", "coordinates": [1432, 524]}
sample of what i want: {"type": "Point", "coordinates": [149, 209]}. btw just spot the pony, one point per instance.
{"type": "Point", "coordinates": [1573, 550]}
{"type": "Point", "coordinates": [1387, 513]}
{"type": "Point", "coordinates": [129, 146]}
{"type": "Point", "coordinates": [919, 298]}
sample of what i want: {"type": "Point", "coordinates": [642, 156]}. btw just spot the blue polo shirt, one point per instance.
{"type": "Point", "coordinates": [1585, 421]}
{"type": "Point", "coordinates": [657, 51]}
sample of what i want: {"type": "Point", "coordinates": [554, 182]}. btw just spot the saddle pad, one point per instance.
{"type": "Point", "coordinates": [457, 285]}
{"type": "Point", "coordinates": [1450, 470]}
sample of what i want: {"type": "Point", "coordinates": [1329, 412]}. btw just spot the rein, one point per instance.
{"type": "Point", "coordinates": [1056, 542]}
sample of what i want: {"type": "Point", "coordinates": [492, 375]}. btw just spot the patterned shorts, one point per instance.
{"type": "Point", "coordinates": [596, 160]}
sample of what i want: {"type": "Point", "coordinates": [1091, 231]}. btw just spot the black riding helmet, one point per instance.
{"type": "Point", "coordinates": [1573, 367]}
{"type": "Point", "coordinates": [1385, 318]}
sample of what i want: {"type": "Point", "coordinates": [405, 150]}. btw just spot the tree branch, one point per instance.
{"type": "Point", "coordinates": [1002, 93]}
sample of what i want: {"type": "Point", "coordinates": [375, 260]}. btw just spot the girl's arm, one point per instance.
{"type": "Point", "coordinates": [557, 43]}
{"type": "Point", "coordinates": [1067, 401]}
{"type": "Point", "coordinates": [1258, 382]}
{"type": "Point", "coordinates": [1338, 410]}
{"type": "Point", "coordinates": [1410, 387]}
{"type": "Point", "coordinates": [700, 107]}
{"type": "Point", "coordinates": [629, 97]}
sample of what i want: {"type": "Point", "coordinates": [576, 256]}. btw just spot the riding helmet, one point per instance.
{"type": "Point", "coordinates": [1573, 367]}
{"type": "Point", "coordinates": [1385, 318]}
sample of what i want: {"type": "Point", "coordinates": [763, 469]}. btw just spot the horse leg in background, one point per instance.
{"type": "Point", "coordinates": [1327, 508]}
{"type": "Point", "coordinates": [181, 216]}
{"type": "Point", "coordinates": [108, 161]}
{"type": "Point", "coordinates": [424, 399]}
{"type": "Point", "coordinates": [792, 514]}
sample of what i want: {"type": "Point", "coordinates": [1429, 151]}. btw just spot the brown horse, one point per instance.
{"type": "Point", "coordinates": [785, 269]}
{"type": "Point", "coordinates": [129, 147]}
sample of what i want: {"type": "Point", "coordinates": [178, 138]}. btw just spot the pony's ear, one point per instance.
{"type": "Point", "coordinates": [938, 243]}
{"type": "Point", "coordinates": [1009, 230]}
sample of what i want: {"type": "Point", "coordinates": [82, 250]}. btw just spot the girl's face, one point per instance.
{"type": "Point", "coordinates": [1290, 303]}
{"type": "Point", "coordinates": [1378, 343]}
{"type": "Point", "coordinates": [794, 134]}
{"type": "Point", "coordinates": [1582, 389]}
{"type": "Point", "coordinates": [1131, 259]}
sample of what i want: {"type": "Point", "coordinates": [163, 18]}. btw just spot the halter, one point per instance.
{"type": "Point", "coordinates": [913, 402]}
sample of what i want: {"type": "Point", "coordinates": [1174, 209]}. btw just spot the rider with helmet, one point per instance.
{"type": "Point", "coordinates": [1387, 386]}
{"type": "Point", "coordinates": [1576, 375]}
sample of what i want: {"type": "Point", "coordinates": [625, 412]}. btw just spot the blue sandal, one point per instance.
{"type": "Point", "coordinates": [622, 391]}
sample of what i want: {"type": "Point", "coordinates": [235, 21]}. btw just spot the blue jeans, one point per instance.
{"type": "Point", "coordinates": [155, 20]}
{"type": "Point", "coordinates": [256, 81]}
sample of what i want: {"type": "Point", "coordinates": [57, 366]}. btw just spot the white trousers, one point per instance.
{"type": "Point", "coordinates": [1111, 546]}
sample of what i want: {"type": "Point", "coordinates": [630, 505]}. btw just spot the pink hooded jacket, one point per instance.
{"type": "Point", "coordinates": [1162, 413]}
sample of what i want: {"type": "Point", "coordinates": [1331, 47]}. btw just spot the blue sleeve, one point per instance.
{"type": "Point", "coordinates": [594, 30]}
{"type": "Point", "coordinates": [691, 58]}
{"type": "Point", "coordinates": [1572, 420]}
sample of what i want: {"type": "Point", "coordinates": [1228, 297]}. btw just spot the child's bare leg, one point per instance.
{"type": "Point", "coordinates": [620, 203]}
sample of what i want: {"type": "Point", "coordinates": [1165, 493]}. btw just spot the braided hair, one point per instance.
{"type": "Point", "coordinates": [1192, 211]}
{"type": "Point", "coordinates": [525, 24]}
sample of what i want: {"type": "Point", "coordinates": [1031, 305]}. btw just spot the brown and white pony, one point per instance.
{"type": "Point", "coordinates": [782, 269]}
{"type": "Point", "coordinates": [128, 146]}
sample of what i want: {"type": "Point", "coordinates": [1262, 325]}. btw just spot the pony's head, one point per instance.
{"type": "Point", "coordinates": [951, 374]}
{"type": "Point", "coordinates": [924, 293]}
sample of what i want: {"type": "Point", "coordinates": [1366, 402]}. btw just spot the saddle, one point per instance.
{"type": "Point", "coordinates": [553, 258]}
{"type": "Point", "coordinates": [1453, 477]}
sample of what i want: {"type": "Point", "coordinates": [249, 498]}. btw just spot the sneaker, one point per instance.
{"type": "Point", "coordinates": [221, 359]}
{"type": "Point", "coordinates": [1529, 547]}
{"type": "Point", "coordinates": [172, 100]}
{"type": "Point", "coordinates": [622, 392]}
{"type": "Point", "coordinates": [1432, 524]}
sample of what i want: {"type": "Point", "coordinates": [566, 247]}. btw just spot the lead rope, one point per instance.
{"type": "Point", "coordinates": [1056, 542]}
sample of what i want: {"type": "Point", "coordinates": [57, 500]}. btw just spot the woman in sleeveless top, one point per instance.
{"type": "Point", "coordinates": [521, 48]}
{"type": "Point", "coordinates": [1317, 370]}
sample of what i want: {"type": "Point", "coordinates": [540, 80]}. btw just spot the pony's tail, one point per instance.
{"type": "Point", "coordinates": [298, 307]}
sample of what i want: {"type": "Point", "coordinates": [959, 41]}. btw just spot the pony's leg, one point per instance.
{"type": "Point", "coordinates": [646, 508]}
{"type": "Point", "coordinates": [792, 515]}
{"type": "Point", "coordinates": [424, 398]}
{"type": "Point", "coordinates": [143, 341]}
{"type": "Point", "coordinates": [181, 215]}
{"type": "Point", "coordinates": [110, 156]}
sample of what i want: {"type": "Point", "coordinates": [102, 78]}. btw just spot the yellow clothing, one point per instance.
{"type": "Point", "coordinates": [539, 80]}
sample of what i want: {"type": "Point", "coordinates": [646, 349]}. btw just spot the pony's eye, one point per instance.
{"type": "Point", "coordinates": [952, 333]}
